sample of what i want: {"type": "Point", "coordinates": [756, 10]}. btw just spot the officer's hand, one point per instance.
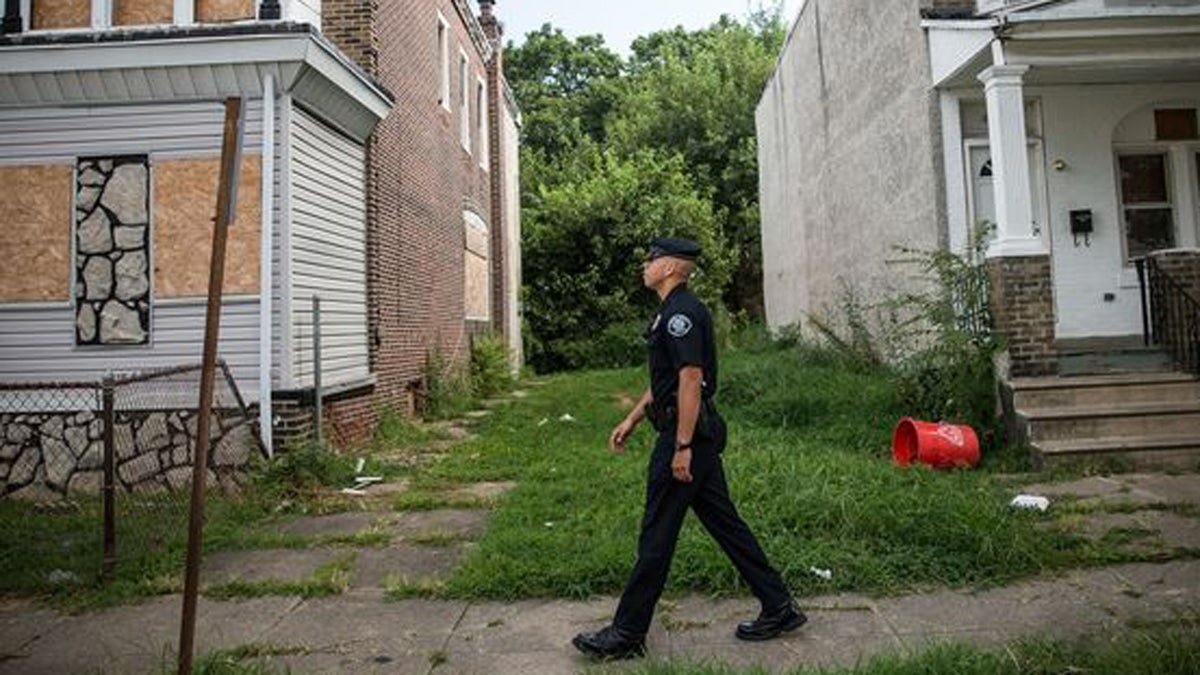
{"type": "Point", "coordinates": [616, 440]}
{"type": "Point", "coordinates": [681, 465]}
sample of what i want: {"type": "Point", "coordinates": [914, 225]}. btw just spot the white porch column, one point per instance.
{"type": "Point", "coordinates": [1002, 85]}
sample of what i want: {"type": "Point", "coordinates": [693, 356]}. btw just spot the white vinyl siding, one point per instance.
{"type": "Point", "coordinates": [37, 342]}
{"type": "Point", "coordinates": [328, 256]}
{"type": "Point", "coordinates": [37, 339]}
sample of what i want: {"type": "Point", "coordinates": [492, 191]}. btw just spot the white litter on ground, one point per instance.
{"type": "Point", "coordinates": [821, 572]}
{"type": "Point", "coordinates": [1030, 502]}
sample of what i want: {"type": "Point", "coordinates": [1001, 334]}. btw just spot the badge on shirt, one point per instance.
{"type": "Point", "coordinates": [679, 325]}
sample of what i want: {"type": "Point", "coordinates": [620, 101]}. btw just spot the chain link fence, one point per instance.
{"type": "Point", "coordinates": [98, 475]}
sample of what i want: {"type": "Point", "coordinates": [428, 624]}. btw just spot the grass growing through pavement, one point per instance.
{"type": "Point", "coordinates": [1161, 650]}
{"type": "Point", "coordinates": [808, 466]}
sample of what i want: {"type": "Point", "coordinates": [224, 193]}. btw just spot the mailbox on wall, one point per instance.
{"type": "Point", "coordinates": [1081, 225]}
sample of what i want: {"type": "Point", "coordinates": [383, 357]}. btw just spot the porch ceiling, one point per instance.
{"type": "Point", "coordinates": [1094, 52]}
{"type": "Point", "coordinates": [163, 68]}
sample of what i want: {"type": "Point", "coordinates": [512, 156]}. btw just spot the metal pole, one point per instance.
{"type": "Point", "coordinates": [231, 160]}
{"type": "Point", "coordinates": [1140, 263]}
{"type": "Point", "coordinates": [319, 412]}
{"type": "Point", "coordinates": [110, 455]}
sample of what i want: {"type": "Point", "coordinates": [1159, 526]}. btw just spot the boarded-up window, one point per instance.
{"type": "Point", "coordinates": [217, 11]}
{"type": "Point", "coordinates": [1175, 124]}
{"type": "Point", "coordinates": [143, 12]}
{"type": "Point", "coordinates": [36, 203]}
{"type": "Point", "coordinates": [185, 202]}
{"type": "Point", "coordinates": [475, 268]}
{"type": "Point", "coordinates": [53, 14]}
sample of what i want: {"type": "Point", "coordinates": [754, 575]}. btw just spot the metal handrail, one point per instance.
{"type": "Point", "coordinates": [1170, 315]}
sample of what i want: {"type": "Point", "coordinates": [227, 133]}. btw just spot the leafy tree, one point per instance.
{"type": "Point", "coordinates": [615, 153]}
{"type": "Point", "coordinates": [584, 240]}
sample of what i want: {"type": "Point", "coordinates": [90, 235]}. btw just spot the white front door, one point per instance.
{"type": "Point", "coordinates": [980, 195]}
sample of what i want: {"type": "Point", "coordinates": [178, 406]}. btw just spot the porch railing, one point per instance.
{"type": "Point", "coordinates": [1170, 316]}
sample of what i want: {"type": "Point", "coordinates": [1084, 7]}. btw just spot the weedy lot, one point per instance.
{"type": "Point", "coordinates": [808, 465]}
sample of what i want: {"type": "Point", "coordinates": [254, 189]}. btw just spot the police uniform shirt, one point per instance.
{"type": "Point", "coordinates": [681, 335]}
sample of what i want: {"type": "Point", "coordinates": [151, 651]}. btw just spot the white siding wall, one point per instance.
{"type": "Point", "coordinates": [36, 339]}
{"type": "Point", "coordinates": [328, 250]}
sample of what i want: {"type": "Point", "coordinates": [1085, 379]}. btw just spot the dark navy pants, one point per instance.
{"type": "Point", "coordinates": [667, 502]}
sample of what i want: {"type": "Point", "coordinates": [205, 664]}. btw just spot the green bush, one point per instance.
{"type": "Point", "coordinates": [616, 345]}
{"type": "Point", "coordinates": [306, 468]}
{"type": "Point", "coordinates": [447, 387]}
{"type": "Point", "coordinates": [491, 369]}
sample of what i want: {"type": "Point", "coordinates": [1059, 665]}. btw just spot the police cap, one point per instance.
{"type": "Point", "coordinates": [675, 248]}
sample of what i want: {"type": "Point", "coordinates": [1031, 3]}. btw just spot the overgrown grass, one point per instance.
{"type": "Point", "coordinates": [1172, 649]}
{"type": "Point", "coordinates": [332, 578]}
{"type": "Point", "coordinates": [808, 465]}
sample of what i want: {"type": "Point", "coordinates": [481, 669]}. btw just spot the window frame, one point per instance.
{"type": "Point", "coordinates": [464, 99]}
{"type": "Point", "coordinates": [482, 127]}
{"type": "Point", "coordinates": [1163, 150]}
{"type": "Point", "coordinates": [443, 37]}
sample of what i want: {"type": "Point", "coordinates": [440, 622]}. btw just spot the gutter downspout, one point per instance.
{"type": "Point", "coordinates": [266, 274]}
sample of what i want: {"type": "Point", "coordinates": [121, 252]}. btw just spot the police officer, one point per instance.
{"type": "Point", "coordinates": [685, 467]}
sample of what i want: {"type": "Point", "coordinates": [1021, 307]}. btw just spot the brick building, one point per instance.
{"type": "Point", "coordinates": [443, 245]}
{"type": "Point", "coordinates": [379, 174]}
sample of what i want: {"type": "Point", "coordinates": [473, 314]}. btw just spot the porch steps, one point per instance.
{"type": "Point", "coordinates": [1147, 419]}
{"type": "Point", "coordinates": [1109, 356]}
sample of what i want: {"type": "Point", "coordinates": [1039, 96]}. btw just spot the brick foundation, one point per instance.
{"type": "Point", "coordinates": [1183, 266]}
{"type": "Point", "coordinates": [1022, 301]}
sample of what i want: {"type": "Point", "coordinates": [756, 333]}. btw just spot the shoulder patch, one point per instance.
{"type": "Point", "coordinates": [679, 325]}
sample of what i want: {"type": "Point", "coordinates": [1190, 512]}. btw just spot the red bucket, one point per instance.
{"type": "Point", "coordinates": [940, 445]}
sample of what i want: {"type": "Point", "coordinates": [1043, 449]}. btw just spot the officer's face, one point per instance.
{"type": "Point", "coordinates": [652, 272]}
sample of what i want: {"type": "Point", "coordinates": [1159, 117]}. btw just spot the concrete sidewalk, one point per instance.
{"type": "Point", "coordinates": [363, 633]}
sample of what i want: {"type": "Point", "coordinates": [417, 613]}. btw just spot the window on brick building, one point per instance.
{"type": "Point", "coordinates": [443, 37]}
{"type": "Point", "coordinates": [464, 102]}
{"type": "Point", "coordinates": [481, 108]}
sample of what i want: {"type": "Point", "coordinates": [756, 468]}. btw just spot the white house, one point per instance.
{"type": "Point", "coordinates": [1070, 125]}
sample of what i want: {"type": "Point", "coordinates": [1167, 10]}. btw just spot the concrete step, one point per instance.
{"type": "Point", "coordinates": [1111, 421]}
{"type": "Point", "coordinates": [1059, 392]}
{"type": "Point", "coordinates": [1134, 360]}
{"type": "Point", "coordinates": [1178, 451]}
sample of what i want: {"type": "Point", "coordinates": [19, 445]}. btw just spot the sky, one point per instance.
{"type": "Point", "coordinates": [620, 21]}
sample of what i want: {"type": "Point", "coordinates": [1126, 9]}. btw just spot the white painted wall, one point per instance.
{"type": "Point", "coordinates": [512, 229]}
{"type": "Point", "coordinates": [1079, 125]}
{"type": "Point", "coordinates": [302, 11]}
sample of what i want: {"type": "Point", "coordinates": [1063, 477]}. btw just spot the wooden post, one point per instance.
{"type": "Point", "coordinates": [231, 162]}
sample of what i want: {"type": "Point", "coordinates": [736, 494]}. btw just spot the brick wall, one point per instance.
{"type": "Point", "coordinates": [495, 94]}
{"type": "Point", "coordinates": [348, 25]}
{"type": "Point", "coordinates": [1183, 266]}
{"type": "Point", "coordinates": [1022, 300]}
{"type": "Point", "coordinates": [420, 180]}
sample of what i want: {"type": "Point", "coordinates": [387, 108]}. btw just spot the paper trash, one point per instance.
{"type": "Point", "coordinates": [1030, 502]}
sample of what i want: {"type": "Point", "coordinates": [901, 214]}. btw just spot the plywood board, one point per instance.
{"type": "Point", "coordinates": [185, 203]}
{"type": "Point", "coordinates": [36, 202]}
{"type": "Point", "coordinates": [143, 12]}
{"type": "Point", "coordinates": [49, 14]}
{"type": "Point", "coordinates": [217, 11]}
{"type": "Point", "coordinates": [475, 286]}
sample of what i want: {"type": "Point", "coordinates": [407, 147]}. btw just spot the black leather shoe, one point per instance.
{"type": "Point", "coordinates": [772, 624]}
{"type": "Point", "coordinates": [610, 643]}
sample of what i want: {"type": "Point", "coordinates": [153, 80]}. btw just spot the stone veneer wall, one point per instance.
{"type": "Point", "coordinates": [1022, 301]}
{"type": "Point", "coordinates": [112, 251]}
{"type": "Point", "coordinates": [56, 454]}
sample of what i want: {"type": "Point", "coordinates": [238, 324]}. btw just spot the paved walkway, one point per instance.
{"type": "Point", "coordinates": [361, 632]}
